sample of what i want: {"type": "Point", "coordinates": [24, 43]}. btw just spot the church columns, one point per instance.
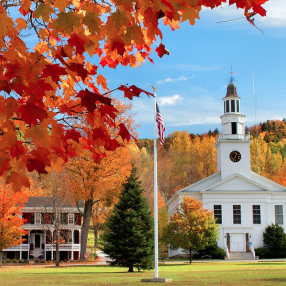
{"type": "Point", "coordinates": [269, 220]}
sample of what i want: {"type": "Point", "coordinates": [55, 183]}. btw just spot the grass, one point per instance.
{"type": "Point", "coordinates": [217, 273]}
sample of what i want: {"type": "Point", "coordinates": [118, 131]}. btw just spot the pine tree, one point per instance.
{"type": "Point", "coordinates": [129, 240]}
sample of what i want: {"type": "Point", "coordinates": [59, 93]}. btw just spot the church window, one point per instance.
{"type": "Point", "coordinates": [227, 106]}
{"type": "Point", "coordinates": [279, 214]}
{"type": "Point", "coordinates": [232, 105]}
{"type": "Point", "coordinates": [233, 128]}
{"type": "Point", "coordinates": [236, 214]}
{"type": "Point", "coordinates": [218, 214]}
{"type": "Point", "coordinates": [256, 214]}
{"type": "Point", "coordinates": [71, 218]}
{"type": "Point", "coordinates": [237, 106]}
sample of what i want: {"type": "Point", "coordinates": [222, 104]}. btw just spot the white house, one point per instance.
{"type": "Point", "coordinates": [39, 215]}
{"type": "Point", "coordinates": [244, 202]}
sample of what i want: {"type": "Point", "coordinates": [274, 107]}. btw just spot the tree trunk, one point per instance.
{"type": "Point", "coordinates": [0, 258]}
{"type": "Point", "coordinates": [190, 255]}
{"type": "Point", "coordinates": [57, 255]}
{"type": "Point", "coordinates": [130, 268]}
{"type": "Point", "coordinates": [85, 227]}
{"type": "Point", "coordinates": [95, 229]}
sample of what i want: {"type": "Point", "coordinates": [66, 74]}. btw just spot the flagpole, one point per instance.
{"type": "Point", "coordinates": [155, 192]}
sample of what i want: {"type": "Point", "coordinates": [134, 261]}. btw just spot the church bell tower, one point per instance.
{"type": "Point", "coordinates": [233, 151]}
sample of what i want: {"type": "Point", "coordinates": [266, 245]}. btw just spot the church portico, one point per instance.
{"type": "Point", "coordinates": [244, 203]}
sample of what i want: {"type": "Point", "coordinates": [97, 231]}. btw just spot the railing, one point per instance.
{"type": "Point", "coordinates": [23, 247]}
{"type": "Point", "coordinates": [226, 251]}
{"type": "Point", "coordinates": [67, 246]}
{"type": "Point", "coordinates": [252, 251]}
{"type": "Point", "coordinates": [233, 137]}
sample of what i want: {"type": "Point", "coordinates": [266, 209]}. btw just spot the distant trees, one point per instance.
{"type": "Point", "coordinates": [191, 227]}
{"type": "Point", "coordinates": [11, 204]}
{"type": "Point", "coordinates": [129, 238]}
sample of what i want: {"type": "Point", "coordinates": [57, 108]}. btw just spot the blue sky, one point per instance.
{"type": "Point", "coordinates": [192, 80]}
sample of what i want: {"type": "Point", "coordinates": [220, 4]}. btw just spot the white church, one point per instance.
{"type": "Point", "coordinates": [244, 203]}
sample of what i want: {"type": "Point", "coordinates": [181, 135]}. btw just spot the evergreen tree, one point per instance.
{"type": "Point", "coordinates": [129, 239]}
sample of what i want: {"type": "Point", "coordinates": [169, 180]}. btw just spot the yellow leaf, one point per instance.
{"type": "Point", "coordinates": [61, 4]}
{"type": "Point", "coordinates": [44, 11]}
{"type": "Point", "coordinates": [191, 14]}
{"type": "Point", "coordinates": [21, 23]}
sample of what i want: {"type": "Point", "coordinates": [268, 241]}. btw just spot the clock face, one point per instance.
{"type": "Point", "coordinates": [235, 156]}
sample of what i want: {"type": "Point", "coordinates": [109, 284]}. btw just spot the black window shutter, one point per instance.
{"type": "Point", "coordinates": [32, 218]}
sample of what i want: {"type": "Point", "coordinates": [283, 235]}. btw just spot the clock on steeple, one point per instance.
{"type": "Point", "coordinates": [233, 152]}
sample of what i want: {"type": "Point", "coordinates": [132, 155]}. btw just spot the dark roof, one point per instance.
{"type": "Point", "coordinates": [231, 90]}
{"type": "Point", "coordinates": [34, 202]}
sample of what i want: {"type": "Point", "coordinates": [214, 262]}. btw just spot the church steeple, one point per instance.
{"type": "Point", "coordinates": [233, 154]}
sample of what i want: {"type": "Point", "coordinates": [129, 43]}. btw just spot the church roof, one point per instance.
{"type": "Point", "coordinates": [231, 90]}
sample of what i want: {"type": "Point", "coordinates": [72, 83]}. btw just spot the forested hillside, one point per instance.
{"type": "Point", "coordinates": [187, 158]}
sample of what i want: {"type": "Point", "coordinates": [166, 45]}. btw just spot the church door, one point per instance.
{"type": "Point", "coordinates": [237, 242]}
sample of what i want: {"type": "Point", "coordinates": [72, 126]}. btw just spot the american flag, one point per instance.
{"type": "Point", "coordinates": [160, 124]}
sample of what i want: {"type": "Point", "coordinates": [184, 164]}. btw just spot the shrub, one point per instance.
{"type": "Point", "coordinates": [43, 260]}
{"type": "Point", "coordinates": [215, 251]}
{"type": "Point", "coordinates": [3, 261]}
{"type": "Point", "coordinates": [37, 261]}
{"type": "Point", "coordinates": [14, 260]}
{"type": "Point", "coordinates": [8, 260]}
{"type": "Point", "coordinates": [274, 238]}
{"type": "Point", "coordinates": [263, 252]}
{"type": "Point", "coordinates": [65, 260]}
{"type": "Point", "coordinates": [21, 261]}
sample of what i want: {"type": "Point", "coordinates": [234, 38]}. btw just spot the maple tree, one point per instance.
{"type": "Point", "coordinates": [11, 221]}
{"type": "Point", "coordinates": [44, 88]}
{"type": "Point", "coordinates": [191, 227]}
{"type": "Point", "coordinates": [97, 182]}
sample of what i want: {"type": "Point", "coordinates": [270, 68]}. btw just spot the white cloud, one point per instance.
{"type": "Point", "coordinates": [175, 79]}
{"type": "Point", "coordinates": [198, 67]}
{"type": "Point", "coordinates": [170, 100]}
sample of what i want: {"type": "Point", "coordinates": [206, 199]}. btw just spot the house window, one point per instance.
{"type": "Point", "coordinates": [232, 105]}
{"type": "Point", "coordinates": [71, 218]}
{"type": "Point", "coordinates": [218, 214]}
{"type": "Point", "coordinates": [236, 214]}
{"type": "Point", "coordinates": [256, 214]}
{"type": "Point", "coordinates": [227, 106]}
{"type": "Point", "coordinates": [279, 214]}
{"type": "Point", "coordinates": [38, 218]}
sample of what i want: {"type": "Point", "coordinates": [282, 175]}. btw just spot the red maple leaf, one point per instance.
{"type": "Point", "coordinates": [119, 45]}
{"type": "Point", "coordinates": [36, 164]}
{"type": "Point", "coordinates": [54, 71]}
{"type": "Point", "coordinates": [161, 50]}
{"type": "Point", "coordinates": [17, 149]}
{"type": "Point", "coordinates": [110, 110]}
{"type": "Point", "coordinates": [79, 69]}
{"type": "Point", "coordinates": [78, 43]}
{"type": "Point", "coordinates": [123, 132]}
{"type": "Point", "coordinates": [31, 113]}
{"type": "Point", "coordinates": [89, 99]}
{"type": "Point", "coordinates": [132, 91]}
{"type": "Point", "coordinates": [4, 85]}
{"type": "Point", "coordinates": [73, 134]}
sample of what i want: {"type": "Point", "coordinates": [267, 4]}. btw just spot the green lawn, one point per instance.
{"type": "Point", "coordinates": [261, 273]}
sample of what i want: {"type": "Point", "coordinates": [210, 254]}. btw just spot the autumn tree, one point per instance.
{"type": "Point", "coordinates": [11, 221]}
{"type": "Point", "coordinates": [129, 238]}
{"type": "Point", "coordinates": [97, 182]}
{"type": "Point", "coordinates": [191, 227]}
{"type": "Point", "coordinates": [45, 86]}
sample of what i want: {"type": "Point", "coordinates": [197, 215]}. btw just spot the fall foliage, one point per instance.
{"type": "Point", "coordinates": [46, 87]}
{"type": "Point", "coordinates": [191, 227]}
{"type": "Point", "coordinates": [11, 204]}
